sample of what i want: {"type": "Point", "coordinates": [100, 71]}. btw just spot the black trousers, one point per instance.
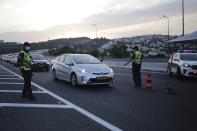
{"type": "Point", "coordinates": [27, 75]}
{"type": "Point", "coordinates": [136, 74]}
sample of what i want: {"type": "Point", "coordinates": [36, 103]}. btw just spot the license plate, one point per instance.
{"type": "Point", "coordinates": [102, 78]}
{"type": "Point", "coordinates": [40, 65]}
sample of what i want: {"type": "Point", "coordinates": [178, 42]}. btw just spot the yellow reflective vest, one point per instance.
{"type": "Point", "coordinates": [27, 61]}
{"type": "Point", "coordinates": [138, 57]}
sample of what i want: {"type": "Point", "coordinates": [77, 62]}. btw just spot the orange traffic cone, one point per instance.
{"type": "Point", "coordinates": [148, 84]}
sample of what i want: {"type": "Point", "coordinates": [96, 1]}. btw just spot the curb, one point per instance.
{"type": "Point", "coordinates": [142, 69]}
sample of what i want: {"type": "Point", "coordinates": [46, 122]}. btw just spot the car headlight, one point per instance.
{"type": "Point", "coordinates": [81, 70]}
{"type": "Point", "coordinates": [48, 63]}
{"type": "Point", "coordinates": [111, 70]}
{"type": "Point", "coordinates": [186, 65]}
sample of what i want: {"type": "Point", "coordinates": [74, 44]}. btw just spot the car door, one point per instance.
{"type": "Point", "coordinates": [175, 63]}
{"type": "Point", "coordinates": [62, 67]}
{"type": "Point", "coordinates": [59, 66]}
{"type": "Point", "coordinates": [55, 65]}
{"type": "Point", "coordinates": [67, 67]}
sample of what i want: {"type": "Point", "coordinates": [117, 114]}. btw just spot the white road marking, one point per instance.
{"type": "Point", "coordinates": [20, 91]}
{"type": "Point", "coordinates": [77, 108]}
{"type": "Point", "coordinates": [7, 75]}
{"type": "Point", "coordinates": [10, 83]}
{"type": "Point", "coordinates": [34, 105]}
{"type": "Point", "coordinates": [10, 79]}
{"type": "Point", "coordinates": [3, 71]}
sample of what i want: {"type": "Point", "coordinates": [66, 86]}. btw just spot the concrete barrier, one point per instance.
{"type": "Point", "coordinates": [153, 66]}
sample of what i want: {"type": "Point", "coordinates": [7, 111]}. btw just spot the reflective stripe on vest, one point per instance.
{"type": "Point", "coordinates": [138, 57]}
{"type": "Point", "coordinates": [27, 62]}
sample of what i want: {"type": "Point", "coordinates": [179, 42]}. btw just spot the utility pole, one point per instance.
{"type": "Point", "coordinates": [183, 17]}
{"type": "Point", "coordinates": [168, 26]}
{"type": "Point", "coordinates": [96, 30]}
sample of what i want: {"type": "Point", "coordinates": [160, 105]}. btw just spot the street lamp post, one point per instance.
{"type": "Point", "coordinates": [169, 90]}
{"type": "Point", "coordinates": [183, 17]}
{"type": "Point", "coordinates": [168, 26]}
{"type": "Point", "coordinates": [96, 30]}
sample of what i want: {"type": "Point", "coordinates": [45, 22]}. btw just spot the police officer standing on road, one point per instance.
{"type": "Point", "coordinates": [26, 70]}
{"type": "Point", "coordinates": [136, 66]}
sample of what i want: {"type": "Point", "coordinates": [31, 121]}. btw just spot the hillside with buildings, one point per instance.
{"type": "Point", "coordinates": [151, 45]}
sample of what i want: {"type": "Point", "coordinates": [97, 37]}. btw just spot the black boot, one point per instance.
{"type": "Point", "coordinates": [24, 94]}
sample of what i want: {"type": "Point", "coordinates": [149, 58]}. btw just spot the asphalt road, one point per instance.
{"type": "Point", "coordinates": [59, 107]}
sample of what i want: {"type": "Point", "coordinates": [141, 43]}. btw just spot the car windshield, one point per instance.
{"type": "Point", "coordinates": [188, 57]}
{"type": "Point", "coordinates": [38, 57]}
{"type": "Point", "coordinates": [85, 59]}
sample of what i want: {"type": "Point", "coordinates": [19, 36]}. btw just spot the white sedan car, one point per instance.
{"type": "Point", "coordinates": [81, 69]}
{"type": "Point", "coordinates": [183, 64]}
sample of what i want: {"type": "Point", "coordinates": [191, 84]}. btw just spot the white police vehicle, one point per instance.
{"type": "Point", "coordinates": [183, 63]}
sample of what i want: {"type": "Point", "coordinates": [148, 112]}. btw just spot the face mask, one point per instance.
{"type": "Point", "coordinates": [27, 48]}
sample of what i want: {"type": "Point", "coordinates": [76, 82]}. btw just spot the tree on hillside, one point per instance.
{"type": "Point", "coordinates": [119, 51]}
{"type": "Point", "coordinates": [60, 51]}
{"type": "Point", "coordinates": [94, 52]}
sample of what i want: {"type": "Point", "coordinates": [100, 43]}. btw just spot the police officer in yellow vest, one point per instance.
{"type": "Point", "coordinates": [26, 70]}
{"type": "Point", "coordinates": [136, 66]}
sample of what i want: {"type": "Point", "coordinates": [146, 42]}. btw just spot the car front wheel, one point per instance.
{"type": "Point", "coordinates": [54, 76]}
{"type": "Point", "coordinates": [74, 80]}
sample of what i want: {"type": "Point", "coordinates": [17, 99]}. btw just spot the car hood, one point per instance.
{"type": "Point", "coordinates": [189, 62]}
{"type": "Point", "coordinates": [94, 68]}
{"type": "Point", "coordinates": [40, 61]}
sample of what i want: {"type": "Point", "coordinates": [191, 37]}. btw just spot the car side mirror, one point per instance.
{"type": "Point", "coordinates": [72, 64]}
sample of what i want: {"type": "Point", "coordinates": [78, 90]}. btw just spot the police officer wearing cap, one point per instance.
{"type": "Point", "coordinates": [26, 70]}
{"type": "Point", "coordinates": [136, 66]}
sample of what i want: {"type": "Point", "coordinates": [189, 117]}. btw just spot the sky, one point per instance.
{"type": "Point", "coordinates": [41, 20]}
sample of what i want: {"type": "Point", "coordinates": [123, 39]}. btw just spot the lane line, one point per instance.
{"type": "Point", "coordinates": [35, 105]}
{"type": "Point", "coordinates": [77, 108]}
{"type": "Point", "coordinates": [10, 83]}
{"type": "Point", "coordinates": [3, 71]}
{"type": "Point", "coordinates": [7, 75]}
{"type": "Point", "coordinates": [20, 91]}
{"type": "Point", "coordinates": [11, 79]}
